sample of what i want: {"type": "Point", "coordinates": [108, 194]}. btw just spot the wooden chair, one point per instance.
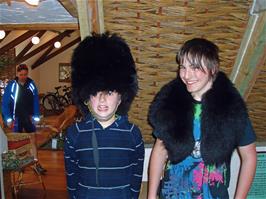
{"type": "Point", "coordinates": [58, 123]}
{"type": "Point", "coordinates": [20, 145]}
{"type": "Point", "coordinates": [51, 126]}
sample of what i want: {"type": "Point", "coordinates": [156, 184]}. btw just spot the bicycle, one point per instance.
{"type": "Point", "coordinates": [53, 101]}
{"type": "Point", "coordinates": [67, 94]}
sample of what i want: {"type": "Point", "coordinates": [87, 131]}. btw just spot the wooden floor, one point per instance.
{"type": "Point", "coordinates": [54, 180]}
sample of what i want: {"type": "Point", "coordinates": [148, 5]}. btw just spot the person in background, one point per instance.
{"type": "Point", "coordinates": [199, 118]}
{"type": "Point", "coordinates": [20, 107]}
{"type": "Point", "coordinates": [104, 153]}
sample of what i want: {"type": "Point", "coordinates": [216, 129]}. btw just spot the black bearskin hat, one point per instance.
{"type": "Point", "coordinates": [103, 62]}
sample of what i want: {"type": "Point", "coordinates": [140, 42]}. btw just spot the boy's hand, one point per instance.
{"type": "Point", "coordinates": [35, 120]}
{"type": "Point", "coordinates": [9, 124]}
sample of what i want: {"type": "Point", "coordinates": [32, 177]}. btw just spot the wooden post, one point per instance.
{"type": "Point", "coordinates": [98, 13]}
{"type": "Point", "coordinates": [91, 19]}
{"type": "Point", "coordinates": [84, 17]}
{"type": "Point", "coordinates": [251, 55]}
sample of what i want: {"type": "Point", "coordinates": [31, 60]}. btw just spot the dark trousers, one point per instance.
{"type": "Point", "coordinates": [24, 123]}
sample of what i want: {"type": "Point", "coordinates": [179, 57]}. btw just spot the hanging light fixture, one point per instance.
{"type": "Point", "coordinates": [57, 44]}
{"type": "Point", "coordinates": [35, 40]}
{"type": "Point", "coordinates": [2, 34]}
{"type": "Point", "coordinates": [32, 2]}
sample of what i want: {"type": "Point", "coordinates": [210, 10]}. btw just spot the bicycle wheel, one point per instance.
{"type": "Point", "coordinates": [63, 102]}
{"type": "Point", "coordinates": [68, 96]}
{"type": "Point", "coordinates": [50, 103]}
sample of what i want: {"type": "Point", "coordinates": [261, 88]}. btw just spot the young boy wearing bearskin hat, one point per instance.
{"type": "Point", "coordinates": [104, 152]}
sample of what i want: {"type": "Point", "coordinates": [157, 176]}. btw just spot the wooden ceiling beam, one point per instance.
{"type": "Point", "coordinates": [29, 45]}
{"type": "Point", "coordinates": [251, 55]}
{"type": "Point", "coordinates": [17, 41]}
{"type": "Point", "coordinates": [41, 59]}
{"type": "Point", "coordinates": [70, 6]}
{"type": "Point", "coordinates": [62, 49]}
{"type": "Point", "coordinates": [7, 32]}
{"type": "Point", "coordinates": [54, 26]}
{"type": "Point", "coordinates": [44, 46]}
{"type": "Point", "coordinates": [84, 18]}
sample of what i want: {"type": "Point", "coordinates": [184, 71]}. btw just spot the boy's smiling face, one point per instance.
{"type": "Point", "coordinates": [197, 80]}
{"type": "Point", "coordinates": [103, 106]}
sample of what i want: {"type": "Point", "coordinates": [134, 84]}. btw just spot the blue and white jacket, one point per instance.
{"type": "Point", "coordinates": [10, 98]}
{"type": "Point", "coordinates": [120, 157]}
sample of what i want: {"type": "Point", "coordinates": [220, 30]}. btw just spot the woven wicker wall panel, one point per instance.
{"type": "Point", "coordinates": [257, 105]}
{"type": "Point", "coordinates": [156, 29]}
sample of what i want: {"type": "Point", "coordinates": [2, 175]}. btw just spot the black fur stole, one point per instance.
{"type": "Point", "coordinates": [223, 120]}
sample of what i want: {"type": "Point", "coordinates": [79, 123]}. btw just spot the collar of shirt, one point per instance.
{"type": "Point", "coordinates": [119, 120]}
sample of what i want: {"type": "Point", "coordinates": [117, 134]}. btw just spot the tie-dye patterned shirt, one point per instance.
{"type": "Point", "coordinates": [191, 178]}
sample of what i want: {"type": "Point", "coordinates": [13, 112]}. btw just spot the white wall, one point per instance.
{"type": "Point", "coordinates": [45, 75]}
{"type": "Point", "coordinates": [48, 73]}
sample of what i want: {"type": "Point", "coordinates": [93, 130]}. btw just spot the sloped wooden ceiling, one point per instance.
{"type": "Point", "coordinates": [50, 15]}
{"type": "Point", "coordinates": [27, 52]}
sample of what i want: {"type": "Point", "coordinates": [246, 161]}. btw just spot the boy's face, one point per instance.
{"type": "Point", "coordinates": [196, 80]}
{"type": "Point", "coordinates": [22, 76]}
{"type": "Point", "coordinates": [104, 105]}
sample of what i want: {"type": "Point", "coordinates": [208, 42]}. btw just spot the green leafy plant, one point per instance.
{"type": "Point", "coordinates": [5, 61]}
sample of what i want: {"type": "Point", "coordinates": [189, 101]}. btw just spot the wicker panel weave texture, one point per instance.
{"type": "Point", "coordinates": [156, 29]}
{"type": "Point", "coordinates": [257, 105]}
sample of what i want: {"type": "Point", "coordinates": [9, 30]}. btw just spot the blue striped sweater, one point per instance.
{"type": "Point", "coordinates": [121, 156]}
